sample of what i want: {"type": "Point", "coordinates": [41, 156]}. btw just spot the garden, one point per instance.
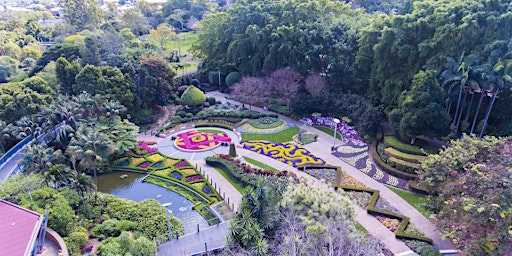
{"type": "Point", "coordinates": [200, 141]}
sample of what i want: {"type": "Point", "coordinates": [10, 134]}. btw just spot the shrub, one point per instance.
{"type": "Point", "coordinates": [107, 229]}
{"type": "Point", "coordinates": [403, 165]}
{"type": "Point", "coordinates": [233, 78]}
{"type": "Point", "coordinates": [391, 152]}
{"type": "Point", "coordinates": [195, 82]}
{"type": "Point", "coordinates": [192, 97]}
{"type": "Point", "coordinates": [76, 240]}
{"type": "Point", "coordinates": [181, 113]}
{"type": "Point", "coordinates": [142, 247]}
{"type": "Point", "coordinates": [390, 170]}
{"type": "Point", "coordinates": [232, 150]}
{"type": "Point", "coordinates": [393, 142]}
{"type": "Point", "coordinates": [189, 115]}
{"type": "Point", "coordinates": [211, 100]}
{"type": "Point", "coordinates": [422, 248]}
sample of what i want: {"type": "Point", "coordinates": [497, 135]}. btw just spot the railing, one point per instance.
{"type": "Point", "coordinates": [175, 234]}
{"type": "Point", "coordinates": [15, 149]}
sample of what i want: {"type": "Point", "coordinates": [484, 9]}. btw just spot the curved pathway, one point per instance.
{"type": "Point", "coordinates": [321, 148]}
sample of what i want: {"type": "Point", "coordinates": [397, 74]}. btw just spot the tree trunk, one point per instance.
{"type": "Point", "coordinates": [461, 110]}
{"type": "Point", "coordinates": [457, 110]}
{"type": "Point", "coordinates": [469, 107]}
{"type": "Point", "coordinates": [482, 94]}
{"type": "Point", "coordinates": [489, 111]}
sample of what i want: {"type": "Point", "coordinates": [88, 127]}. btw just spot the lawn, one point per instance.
{"type": "Point", "coordinates": [260, 164]}
{"type": "Point", "coordinates": [415, 200]}
{"type": "Point", "coordinates": [281, 136]}
{"type": "Point", "coordinates": [235, 184]}
{"type": "Point", "coordinates": [186, 40]}
{"type": "Point", "coordinates": [328, 131]}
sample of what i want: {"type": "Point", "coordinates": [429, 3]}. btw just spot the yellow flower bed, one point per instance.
{"type": "Point", "coordinates": [198, 186]}
{"type": "Point", "coordinates": [155, 158]}
{"type": "Point", "coordinates": [163, 173]}
{"type": "Point", "coordinates": [188, 172]}
{"type": "Point", "coordinates": [135, 161]}
{"type": "Point", "coordinates": [171, 162]}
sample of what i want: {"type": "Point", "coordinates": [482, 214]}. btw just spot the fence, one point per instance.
{"type": "Point", "coordinates": [15, 149]}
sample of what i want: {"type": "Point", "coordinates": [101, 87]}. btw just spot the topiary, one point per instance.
{"type": "Point", "coordinates": [232, 150]}
{"type": "Point", "coordinates": [192, 97]}
{"type": "Point", "coordinates": [233, 78]}
{"type": "Point", "coordinates": [195, 82]}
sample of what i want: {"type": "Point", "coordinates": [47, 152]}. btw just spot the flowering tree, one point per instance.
{"type": "Point", "coordinates": [315, 84]}
{"type": "Point", "coordinates": [250, 90]}
{"type": "Point", "coordinates": [285, 83]}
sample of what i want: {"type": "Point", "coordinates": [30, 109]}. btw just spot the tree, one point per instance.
{"type": "Point", "coordinates": [250, 90]}
{"type": "Point", "coordinates": [162, 34]}
{"type": "Point", "coordinates": [285, 83]}
{"type": "Point", "coordinates": [420, 111]}
{"type": "Point", "coordinates": [17, 185]}
{"type": "Point", "coordinates": [315, 84]}
{"type": "Point", "coordinates": [154, 80]}
{"type": "Point", "coordinates": [66, 73]}
{"type": "Point", "coordinates": [473, 197]}
{"type": "Point", "coordinates": [82, 14]}
{"type": "Point", "coordinates": [90, 53]}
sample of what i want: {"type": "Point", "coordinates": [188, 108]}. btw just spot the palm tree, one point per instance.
{"type": "Point", "coordinates": [82, 183]}
{"type": "Point", "coordinates": [37, 157]}
{"type": "Point", "coordinates": [500, 79]}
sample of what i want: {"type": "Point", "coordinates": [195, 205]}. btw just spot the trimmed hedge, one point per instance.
{"type": "Point", "coordinates": [232, 169]}
{"type": "Point", "coordinates": [403, 165]}
{"type": "Point", "coordinates": [390, 170]}
{"type": "Point", "coordinates": [224, 126]}
{"type": "Point", "coordinates": [415, 187]}
{"type": "Point", "coordinates": [404, 220]}
{"type": "Point", "coordinates": [193, 97]}
{"type": "Point", "coordinates": [393, 142]}
{"type": "Point", "coordinates": [391, 152]}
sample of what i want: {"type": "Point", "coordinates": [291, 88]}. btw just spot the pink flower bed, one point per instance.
{"type": "Point", "coordinates": [199, 141]}
{"type": "Point", "coordinates": [145, 145]}
{"type": "Point", "coordinates": [181, 164]}
{"type": "Point", "coordinates": [193, 178]}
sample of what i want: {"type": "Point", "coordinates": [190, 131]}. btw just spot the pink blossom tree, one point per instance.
{"type": "Point", "coordinates": [315, 84]}
{"type": "Point", "coordinates": [250, 90]}
{"type": "Point", "coordinates": [285, 83]}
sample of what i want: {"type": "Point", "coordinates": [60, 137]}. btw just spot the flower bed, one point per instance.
{"type": "Point", "coordinates": [359, 158]}
{"type": "Point", "coordinates": [322, 174]}
{"type": "Point", "coordinates": [193, 178]}
{"type": "Point", "coordinates": [346, 131]}
{"type": "Point", "coordinates": [288, 153]}
{"type": "Point", "coordinates": [176, 175]}
{"type": "Point", "coordinates": [181, 164]}
{"type": "Point", "coordinates": [199, 141]}
{"type": "Point", "coordinates": [145, 165]}
{"type": "Point", "coordinates": [158, 165]}
{"type": "Point", "coordinates": [145, 146]}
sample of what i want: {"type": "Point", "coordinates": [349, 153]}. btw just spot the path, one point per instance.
{"type": "Point", "coordinates": [205, 240]}
{"type": "Point", "coordinates": [321, 148]}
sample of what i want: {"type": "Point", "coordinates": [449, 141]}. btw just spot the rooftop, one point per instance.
{"type": "Point", "coordinates": [19, 229]}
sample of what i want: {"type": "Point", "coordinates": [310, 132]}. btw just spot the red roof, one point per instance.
{"type": "Point", "coordinates": [18, 229]}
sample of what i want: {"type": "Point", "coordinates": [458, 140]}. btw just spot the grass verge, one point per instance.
{"type": "Point", "coordinates": [235, 184]}
{"type": "Point", "coordinates": [210, 131]}
{"type": "Point", "coordinates": [281, 136]}
{"type": "Point", "coordinates": [417, 201]}
{"type": "Point", "coordinates": [329, 131]}
{"type": "Point", "coordinates": [260, 164]}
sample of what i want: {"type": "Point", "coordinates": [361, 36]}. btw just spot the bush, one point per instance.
{"type": "Point", "coordinates": [393, 142]}
{"type": "Point", "coordinates": [232, 150]}
{"type": "Point", "coordinates": [76, 240]}
{"type": "Point", "coordinates": [233, 78]}
{"type": "Point", "coordinates": [195, 82]}
{"type": "Point", "coordinates": [192, 97]}
{"type": "Point", "coordinates": [388, 169]}
{"type": "Point", "coordinates": [189, 115]}
{"type": "Point", "coordinates": [422, 248]}
{"type": "Point", "coordinates": [211, 100]}
{"type": "Point", "coordinates": [181, 113]}
{"type": "Point", "coordinates": [391, 152]}
{"type": "Point", "coordinates": [403, 165]}
{"type": "Point", "coordinates": [107, 229]}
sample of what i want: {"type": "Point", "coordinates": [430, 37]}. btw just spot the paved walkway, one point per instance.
{"type": "Point", "coordinates": [321, 148]}
{"type": "Point", "coordinates": [206, 240]}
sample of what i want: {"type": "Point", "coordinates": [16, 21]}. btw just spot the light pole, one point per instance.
{"type": "Point", "coordinates": [336, 121]}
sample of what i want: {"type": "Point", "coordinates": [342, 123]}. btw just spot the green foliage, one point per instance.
{"type": "Point", "coordinates": [233, 78]}
{"type": "Point", "coordinates": [473, 203]}
{"type": "Point", "coordinates": [420, 110]}
{"type": "Point", "coordinates": [8, 68]}
{"type": "Point", "coordinates": [68, 51]}
{"type": "Point", "coordinates": [76, 240]}
{"type": "Point", "coordinates": [391, 152]}
{"type": "Point", "coordinates": [231, 168]}
{"type": "Point", "coordinates": [112, 228]}
{"type": "Point", "coordinates": [232, 150]}
{"type": "Point", "coordinates": [391, 170]}
{"type": "Point", "coordinates": [393, 142]}
{"type": "Point", "coordinates": [193, 97]}
{"type": "Point", "coordinates": [142, 247]}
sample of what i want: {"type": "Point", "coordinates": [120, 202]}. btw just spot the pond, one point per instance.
{"type": "Point", "coordinates": [134, 189]}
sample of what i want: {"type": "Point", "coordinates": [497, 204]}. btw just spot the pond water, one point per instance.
{"type": "Point", "coordinates": [134, 189]}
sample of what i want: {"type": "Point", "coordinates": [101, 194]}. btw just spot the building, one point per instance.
{"type": "Point", "coordinates": [22, 231]}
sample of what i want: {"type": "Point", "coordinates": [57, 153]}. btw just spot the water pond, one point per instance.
{"type": "Point", "coordinates": [131, 187]}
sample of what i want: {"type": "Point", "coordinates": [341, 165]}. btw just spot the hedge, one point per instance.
{"type": "Point", "coordinates": [404, 220]}
{"type": "Point", "coordinates": [393, 142]}
{"type": "Point", "coordinates": [391, 152]}
{"type": "Point", "coordinates": [388, 169]}
{"type": "Point", "coordinates": [232, 169]}
{"type": "Point", "coordinates": [403, 165]}
{"type": "Point", "coordinates": [224, 126]}
{"type": "Point", "coordinates": [415, 187]}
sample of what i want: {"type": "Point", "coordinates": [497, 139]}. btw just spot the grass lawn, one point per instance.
{"type": "Point", "coordinates": [235, 184]}
{"type": "Point", "coordinates": [360, 227]}
{"type": "Point", "coordinates": [328, 131]}
{"type": "Point", "coordinates": [415, 200]}
{"type": "Point", "coordinates": [281, 136]}
{"type": "Point", "coordinates": [260, 164]}
{"type": "Point", "coordinates": [210, 131]}
{"type": "Point", "coordinates": [186, 39]}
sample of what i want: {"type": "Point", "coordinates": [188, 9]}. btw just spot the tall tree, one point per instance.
{"type": "Point", "coordinates": [250, 90]}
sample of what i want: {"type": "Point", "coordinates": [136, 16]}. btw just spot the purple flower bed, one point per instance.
{"type": "Point", "coordinates": [152, 150]}
{"type": "Point", "coordinates": [158, 165]}
{"type": "Point", "coordinates": [207, 190]}
{"type": "Point", "coordinates": [347, 132]}
{"type": "Point", "coordinates": [193, 178]}
{"type": "Point", "coordinates": [181, 164]}
{"type": "Point", "coordinates": [176, 175]}
{"type": "Point", "coordinates": [145, 165]}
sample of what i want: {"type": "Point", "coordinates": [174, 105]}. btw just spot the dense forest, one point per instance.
{"type": "Point", "coordinates": [431, 69]}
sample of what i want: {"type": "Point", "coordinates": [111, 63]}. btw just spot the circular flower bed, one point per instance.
{"type": "Point", "coordinates": [199, 141]}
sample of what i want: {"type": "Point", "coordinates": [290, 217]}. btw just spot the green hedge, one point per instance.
{"type": "Point", "coordinates": [404, 220]}
{"type": "Point", "coordinates": [415, 187]}
{"type": "Point", "coordinates": [231, 169]}
{"type": "Point", "coordinates": [224, 126]}
{"type": "Point", "coordinates": [391, 152]}
{"type": "Point", "coordinates": [403, 165]}
{"type": "Point", "coordinates": [390, 170]}
{"type": "Point", "coordinates": [393, 142]}
{"type": "Point", "coordinates": [280, 109]}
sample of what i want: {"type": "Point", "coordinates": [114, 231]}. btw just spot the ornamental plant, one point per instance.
{"type": "Point", "coordinates": [193, 97]}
